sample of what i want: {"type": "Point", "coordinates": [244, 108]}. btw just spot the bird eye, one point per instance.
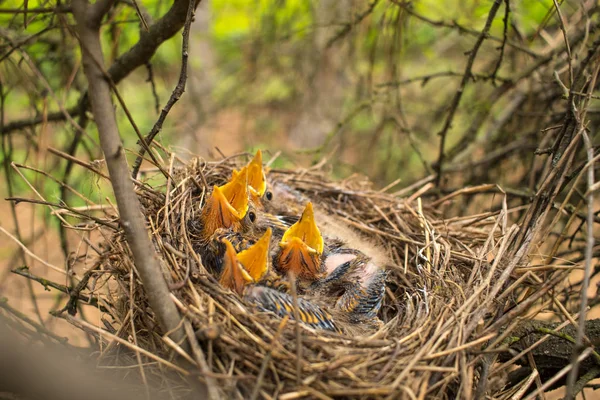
{"type": "Point", "coordinates": [269, 195]}
{"type": "Point", "coordinates": [252, 216]}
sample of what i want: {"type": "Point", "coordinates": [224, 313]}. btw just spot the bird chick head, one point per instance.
{"type": "Point", "coordinates": [301, 247]}
{"type": "Point", "coordinates": [227, 205]}
{"type": "Point", "coordinates": [257, 180]}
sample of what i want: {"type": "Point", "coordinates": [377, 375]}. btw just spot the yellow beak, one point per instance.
{"type": "Point", "coordinates": [255, 258]}
{"type": "Point", "coordinates": [257, 181]}
{"type": "Point", "coordinates": [256, 175]}
{"type": "Point", "coordinates": [227, 205]}
{"type": "Point", "coordinates": [234, 276]}
{"type": "Point", "coordinates": [236, 193]}
{"type": "Point", "coordinates": [306, 231]}
{"type": "Point", "coordinates": [301, 246]}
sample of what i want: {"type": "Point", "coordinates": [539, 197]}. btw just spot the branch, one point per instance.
{"type": "Point", "coordinates": [553, 353]}
{"type": "Point", "coordinates": [136, 56]}
{"type": "Point", "coordinates": [74, 295]}
{"type": "Point", "coordinates": [177, 92]}
{"type": "Point", "coordinates": [132, 220]}
{"type": "Point", "coordinates": [144, 49]}
{"type": "Point", "coordinates": [457, 97]}
{"type": "Point", "coordinates": [463, 29]}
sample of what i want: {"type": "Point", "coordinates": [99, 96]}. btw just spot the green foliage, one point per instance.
{"type": "Point", "coordinates": [266, 57]}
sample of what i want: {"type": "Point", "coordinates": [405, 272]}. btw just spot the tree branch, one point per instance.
{"type": "Point", "coordinates": [457, 97]}
{"type": "Point", "coordinates": [132, 220]}
{"type": "Point", "coordinates": [553, 353]}
{"type": "Point", "coordinates": [175, 95]}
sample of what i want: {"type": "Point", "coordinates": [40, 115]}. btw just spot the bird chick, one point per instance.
{"type": "Point", "coordinates": [226, 207]}
{"type": "Point", "coordinates": [244, 273]}
{"type": "Point", "coordinates": [246, 267]}
{"type": "Point", "coordinates": [257, 180]}
{"type": "Point", "coordinates": [344, 277]}
{"type": "Point", "coordinates": [226, 214]}
{"type": "Point", "coordinates": [301, 248]}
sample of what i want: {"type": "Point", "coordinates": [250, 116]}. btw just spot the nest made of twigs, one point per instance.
{"type": "Point", "coordinates": [445, 276]}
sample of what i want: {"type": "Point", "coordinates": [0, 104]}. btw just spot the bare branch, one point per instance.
{"type": "Point", "coordinates": [132, 221]}
{"type": "Point", "coordinates": [457, 97]}
{"type": "Point", "coordinates": [177, 92]}
{"type": "Point", "coordinates": [136, 56]}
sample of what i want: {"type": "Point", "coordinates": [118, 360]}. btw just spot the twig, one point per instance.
{"type": "Point", "coordinates": [348, 26]}
{"type": "Point", "coordinates": [39, 328]}
{"type": "Point", "coordinates": [99, 221]}
{"type": "Point", "coordinates": [504, 38]}
{"type": "Point", "coordinates": [30, 253]}
{"type": "Point", "coordinates": [571, 379]}
{"type": "Point", "coordinates": [566, 39]}
{"type": "Point", "coordinates": [462, 28]}
{"type": "Point", "coordinates": [457, 97]}
{"type": "Point", "coordinates": [139, 54]}
{"type": "Point", "coordinates": [41, 10]}
{"type": "Point", "coordinates": [92, 301]}
{"type": "Point", "coordinates": [424, 79]}
{"type": "Point", "coordinates": [175, 95]}
{"type": "Point", "coordinates": [153, 86]}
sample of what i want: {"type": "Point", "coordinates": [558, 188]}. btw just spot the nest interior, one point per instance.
{"type": "Point", "coordinates": [447, 281]}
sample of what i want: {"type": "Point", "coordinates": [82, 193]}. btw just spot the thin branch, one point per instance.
{"type": "Point", "coordinates": [462, 29]}
{"type": "Point", "coordinates": [504, 38]}
{"type": "Point", "coordinates": [571, 380]}
{"type": "Point", "coordinates": [138, 55]}
{"type": "Point", "coordinates": [84, 216]}
{"type": "Point", "coordinates": [457, 97]}
{"type": "Point", "coordinates": [348, 26]}
{"type": "Point", "coordinates": [177, 92]}
{"type": "Point", "coordinates": [51, 10]}
{"type": "Point", "coordinates": [73, 294]}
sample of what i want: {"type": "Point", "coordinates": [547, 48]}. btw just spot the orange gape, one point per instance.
{"type": "Point", "coordinates": [234, 276]}
{"type": "Point", "coordinates": [246, 267]}
{"type": "Point", "coordinates": [295, 258]}
{"type": "Point", "coordinates": [257, 180]}
{"type": "Point", "coordinates": [301, 248]}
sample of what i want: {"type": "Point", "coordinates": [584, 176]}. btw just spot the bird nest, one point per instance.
{"type": "Point", "coordinates": [445, 279]}
{"type": "Point", "coordinates": [454, 286]}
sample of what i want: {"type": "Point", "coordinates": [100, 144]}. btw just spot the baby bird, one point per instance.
{"type": "Point", "coordinates": [226, 215]}
{"type": "Point", "coordinates": [261, 198]}
{"type": "Point", "coordinates": [301, 249]}
{"type": "Point", "coordinates": [282, 304]}
{"type": "Point", "coordinates": [243, 274]}
{"type": "Point", "coordinates": [344, 277]}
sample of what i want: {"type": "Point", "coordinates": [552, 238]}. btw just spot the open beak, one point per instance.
{"type": "Point", "coordinates": [257, 181]}
{"type": "Point", "coordinates": [302, 246]}
{"type": "Point", "coordinates": [234, 276]}
{"type": "Point", "coordinates": [227, 205]}
{"type": "Point", "coordinates": [256, 175]}
{"type": "Point", "coordinates": [255, 258]}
